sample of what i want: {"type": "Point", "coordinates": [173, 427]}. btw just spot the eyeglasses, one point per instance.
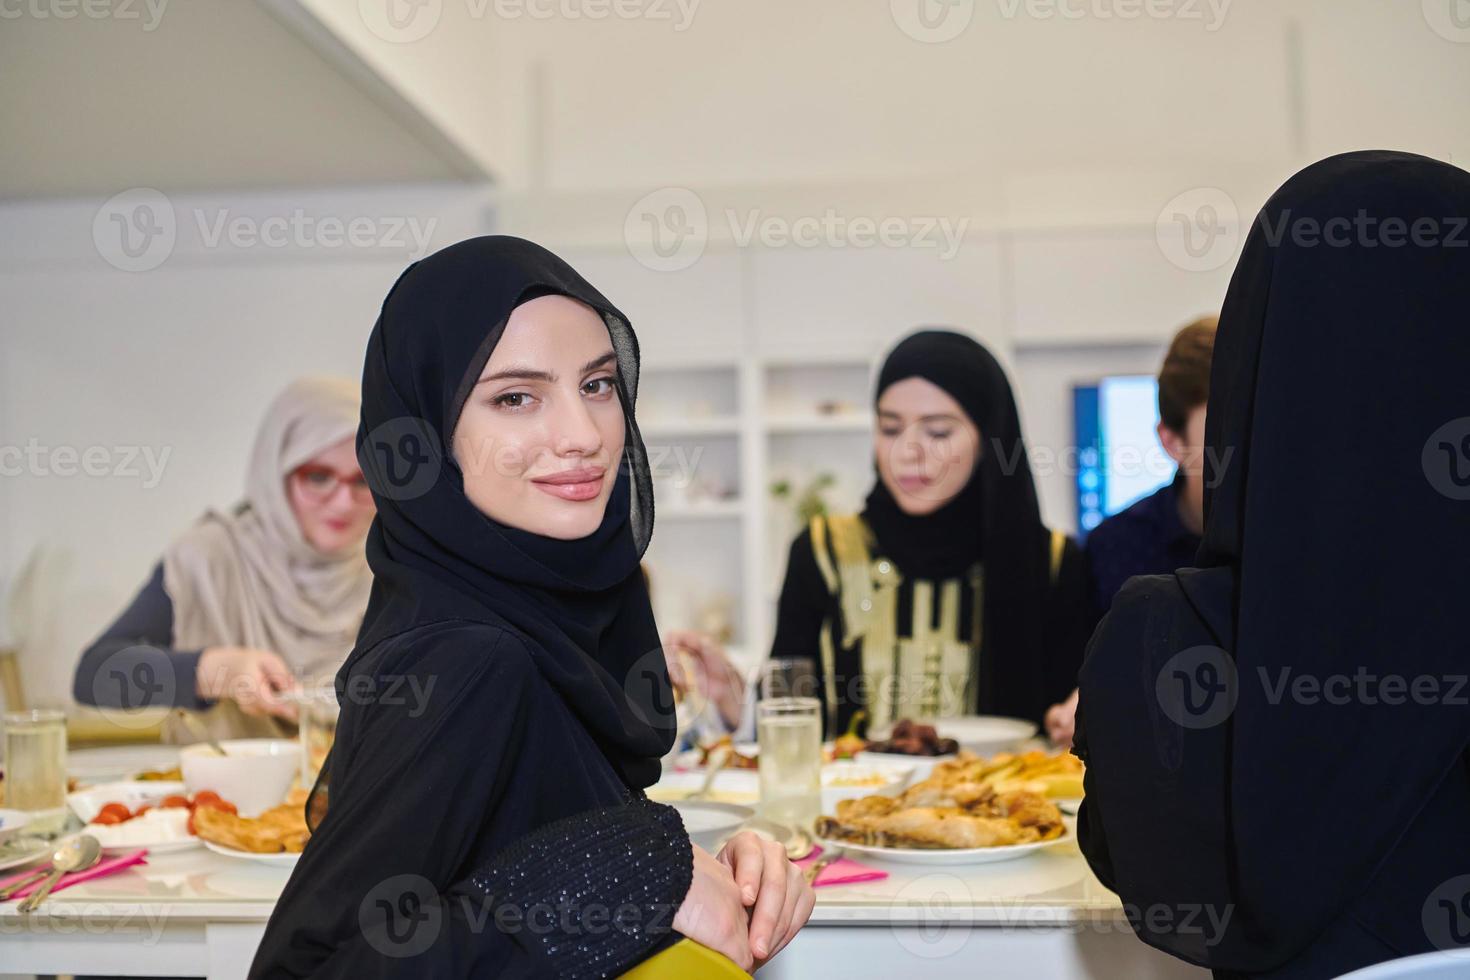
{"type": "Point", "coordinates": [319, 483]}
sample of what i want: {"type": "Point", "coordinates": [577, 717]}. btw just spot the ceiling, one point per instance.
{"type": "Point", "coordinates": [208, 94]}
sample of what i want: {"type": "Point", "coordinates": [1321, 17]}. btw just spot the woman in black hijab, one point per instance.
{"type": "Point", "coordinates": [1276, 740]}
{"type": "Point", "coordinates": [507, 701]}
{"type": "Point", "coordinates": [947, 595]}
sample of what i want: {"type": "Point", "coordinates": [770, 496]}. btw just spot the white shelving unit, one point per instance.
{"type": "Point", "coordinates": [720, 433]}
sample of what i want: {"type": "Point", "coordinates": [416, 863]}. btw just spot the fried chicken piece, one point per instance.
{"type": "Point", "coordinates": [278, 829]}
{"type": "Point", "coordinates": [947, 828]}
{"type": "Point", "coordinates": [1033, 811]}
{"type": "Point", "coordinates": [867, 806]}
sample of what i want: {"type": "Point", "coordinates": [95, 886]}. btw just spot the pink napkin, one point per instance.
{"type": "Point", "coordinates": [98, 870]}
{"type": "Point", "coordinates": [843, 871]}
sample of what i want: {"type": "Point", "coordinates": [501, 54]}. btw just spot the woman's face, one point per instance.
{"type": "Point", "coordinates": [926, 445]}
{"type": "Point", "coordinates": [331, 500]}
{"type": "Point", "coordinates": [541, 436]}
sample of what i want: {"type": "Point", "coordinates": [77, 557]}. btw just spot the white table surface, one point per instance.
{"type": "Point", "coordinates": [197, 913]}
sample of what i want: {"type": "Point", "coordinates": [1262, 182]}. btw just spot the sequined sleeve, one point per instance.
{"type": "Point", "coordinates": [594, 893]}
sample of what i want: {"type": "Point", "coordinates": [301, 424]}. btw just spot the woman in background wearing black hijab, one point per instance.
{"type": "Point", "coordinates": [507, 701]}
{"type": "Point", "coordinates": [1276, 740]}
{"type": "Point", "coordinates": [947, 595]}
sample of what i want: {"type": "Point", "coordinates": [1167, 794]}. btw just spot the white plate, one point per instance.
{"type": "Point", "coordinates": [113, 762]}
{"type": "Point", "coordinates": [981, 734]}
{"type": "Point", "coordinates": [973, 855]}
{"type": "Point", "coordinates": [738, 786]}
{"type": "Point", "coordinates": [11, 821]}
{"type": "Point", "coordinates": [688, 760]}
{"type": "Point", "coordinates": [87, 803]}
{"type": "Point", "coordinates": [158, 847]}
{"type": "Point", "coordinates": [283, 859]}
{"type": "Point", "coordinates": [15, 854]}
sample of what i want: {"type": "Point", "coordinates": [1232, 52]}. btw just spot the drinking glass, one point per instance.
{"type": "Point", "coordinates": [35, 761]}
{"type": "Point", "coordinates": [790, 734]}
{"type": "Point", "coordinates": [789, 677]}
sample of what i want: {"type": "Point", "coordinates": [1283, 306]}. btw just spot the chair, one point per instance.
{"type": "Point", "coordinates": [686, 960]}
{"type": "Point", "coordinates": [1427, 966]}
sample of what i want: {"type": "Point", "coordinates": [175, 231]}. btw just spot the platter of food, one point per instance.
{"type": "Point", "coordinates": [276, 836]}
{"type": "Point", "coordinates": [970, 810]}
{"type": "Point", "coordinates": [155, 814]}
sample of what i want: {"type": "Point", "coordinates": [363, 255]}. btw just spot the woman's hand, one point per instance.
{"type": "Point", "coordinates": [253, 679]}
{"type": "Point", "coordinates": [699, 666]}
{"type": "Point", "coordinates": [1061, 721]}
{"type": "Point", "coordinates": [768, 881]}
{"type": "Point", "coordinates": [713, 914]}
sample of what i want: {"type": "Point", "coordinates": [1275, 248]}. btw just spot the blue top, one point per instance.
{"type": "Point", "coordinates": [134, 663]}
{"type": "Point", "coordinates": [1146, 538]}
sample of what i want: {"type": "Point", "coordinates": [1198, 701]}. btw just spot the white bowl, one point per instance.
{"type": "Point", "coordinates": [254, 773]}
{"type": "Point", "coordinates": [711, 824]}
{"type": "Point", "coordinates": [894, 779]}
{"type": "Point", "coordinates": [923, 764]}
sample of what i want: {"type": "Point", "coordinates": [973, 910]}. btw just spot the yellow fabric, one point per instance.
{"type": "Point", "coordinates": [1058, 546]}
{"type": "Point", "coordinates": [686, 960]}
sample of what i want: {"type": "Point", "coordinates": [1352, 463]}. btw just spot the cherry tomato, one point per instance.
{"type": "Point", "coordinates": [142, 810]}
{"type": "Point", "coordinates": [174, 801]}
{"type": "Point", "coordinates": [107, 819]}
{"type": "Point", "coordinates": [189, 825]}
{"type": "Point", "coordinates": [205, 796]}
{"type": "Point", "coordinates": [217, 804]}
{"type": "Point", "coordinates": [118, 810]}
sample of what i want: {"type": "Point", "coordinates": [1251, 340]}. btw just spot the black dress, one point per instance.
{"type": "Point", "coordinates": [481, 812]}
{"type": "Point", "coordinates": [1279, 736]}
{"type": "Point", "coordinates": [451, 749]}
{"type": "Point", "coordinates": [975, 606]}
{"type": "Point", "coordinates": [925, 635]}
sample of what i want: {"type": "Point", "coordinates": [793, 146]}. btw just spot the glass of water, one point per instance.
{"type": "Point", "coordinates": [790, 734]}
{"type": "Point", "coordinates": [35, 761]}
{"type": "Point", "coordinates": [789, 677]}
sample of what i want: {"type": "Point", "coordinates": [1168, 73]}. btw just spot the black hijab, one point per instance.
{"type": "Point", "coordinates": [995, 518]}
{"type": "Point", "coordinates": [1339, 438]}
{"type": "Point", "coordinates": [581, 606]}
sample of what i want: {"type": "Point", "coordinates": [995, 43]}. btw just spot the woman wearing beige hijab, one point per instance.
{"type": "Point", "coordinates": [245, 603]}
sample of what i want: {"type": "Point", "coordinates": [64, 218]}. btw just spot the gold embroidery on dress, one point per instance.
{"type": "Point", "coordinates": [930, 674]}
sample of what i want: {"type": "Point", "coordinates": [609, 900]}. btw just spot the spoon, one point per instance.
{"type": "Point", "coordinates": [798, 843]}
{"type": "Point", "coordinates": [77, 854]}
{"type": "Point", "coordinates": [199, 730]}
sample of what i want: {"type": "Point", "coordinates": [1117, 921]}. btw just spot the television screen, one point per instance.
{"type": "Point", "coordinates": [1119, 457]}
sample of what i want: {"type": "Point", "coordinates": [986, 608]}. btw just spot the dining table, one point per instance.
{"type": "Point", "coordinates": [197, 913]}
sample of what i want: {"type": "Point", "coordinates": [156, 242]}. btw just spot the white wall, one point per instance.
{"type": "Point", "coordinates": [181, 359]}
{"type": "Point", "coordinates": [1064, 146]}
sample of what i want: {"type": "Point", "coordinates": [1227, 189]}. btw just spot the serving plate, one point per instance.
{"type": "Point", "coordinates": [984, 735]}
{"type": "Point", "coordinates": [948, 857]}
{"type": "Point", "coordinates": [282, 859]}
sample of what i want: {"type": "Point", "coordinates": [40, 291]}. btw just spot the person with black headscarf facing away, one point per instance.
{"type": "Point", "coordinates": [947, 595]}
{"type": "Point", "coordinates": [1276, 740]}
{"type": "Point", "coordinates": [482, 812]}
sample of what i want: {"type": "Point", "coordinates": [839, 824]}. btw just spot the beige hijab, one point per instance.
{"type": "Point", "coordinates": [250, 578]}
